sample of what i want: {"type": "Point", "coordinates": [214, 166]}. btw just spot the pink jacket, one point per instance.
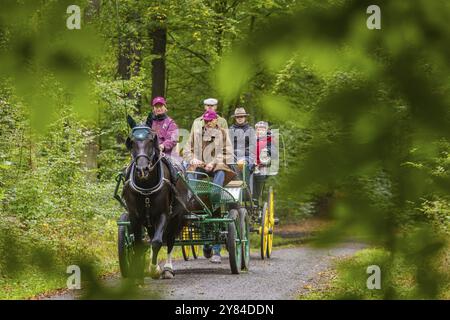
{"type": "Point", "coordinates": [167, 131]}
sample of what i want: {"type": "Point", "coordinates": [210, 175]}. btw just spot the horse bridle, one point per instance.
{"type": "Point", "coordinates": [132, 183]}
{"type": "Point", "coordinates": [150, 165]}
{"type": "Point", "coordinates": [150, 191]}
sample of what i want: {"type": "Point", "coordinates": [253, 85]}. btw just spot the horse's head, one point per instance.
{"type": "Point", "coordinates": [142, 145]}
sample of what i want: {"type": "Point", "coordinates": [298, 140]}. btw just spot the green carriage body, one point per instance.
{"type": "Point", "coordinates": [208, 224]}
{"type": "Point", "coordinates": [220, 219]}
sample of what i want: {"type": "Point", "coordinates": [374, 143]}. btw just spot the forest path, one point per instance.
{"type": "Point", "coordinates": [283, 276]}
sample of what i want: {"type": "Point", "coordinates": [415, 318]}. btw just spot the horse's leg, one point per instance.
{"type": "Point", "coordinates": [155, 270]}
{"type": "Point", "coordinates": [174, 227]}
{"type": "Point", "coordinates": [168, 267]}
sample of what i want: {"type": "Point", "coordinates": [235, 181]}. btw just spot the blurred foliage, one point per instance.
{"type": "Point", "coordinates": [380, 124]}
{"type": "Point", "coordinates": [349, 279]}
{"type": "Point", "coordinates": [363, 115]}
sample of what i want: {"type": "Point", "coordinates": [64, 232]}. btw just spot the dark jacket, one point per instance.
{"type": "Point", "coordinates": [243, 138]}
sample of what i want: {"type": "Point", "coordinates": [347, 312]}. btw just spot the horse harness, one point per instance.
{"type": "Point", "coordinates": [148, 192]}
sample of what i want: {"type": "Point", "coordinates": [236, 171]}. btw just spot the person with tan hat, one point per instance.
{"type": "Point", "coordinates": [243, 138]}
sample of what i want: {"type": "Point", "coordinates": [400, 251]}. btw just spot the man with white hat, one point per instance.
{"type": "Point", "coordinates": [210, 104]}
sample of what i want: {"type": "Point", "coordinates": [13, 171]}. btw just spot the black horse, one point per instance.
{"type": "Point", "coordinates": [154, 201]}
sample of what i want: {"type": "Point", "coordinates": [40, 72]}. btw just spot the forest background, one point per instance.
{"type": "Point", "coordinates": [364, 115]}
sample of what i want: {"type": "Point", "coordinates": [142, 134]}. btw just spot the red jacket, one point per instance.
{"type": "Point", "coordinates": [261, 143]}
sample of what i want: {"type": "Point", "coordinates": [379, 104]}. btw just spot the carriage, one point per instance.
{"type": "Point", "coordinates": [260, 214]}
{"type": "Point", "coordinates": [221, 215]}
{"type": "Point", "coordinates": [224, 215]}
{"type": "Point", "coordinates": [219, 218]}
{"type": "Point", "coordinates": [260, 218]}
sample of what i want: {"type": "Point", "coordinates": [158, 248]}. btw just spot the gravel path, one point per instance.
{"type": "Point", "coordinates": [281, 277]}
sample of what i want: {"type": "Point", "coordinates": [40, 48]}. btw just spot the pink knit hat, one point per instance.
{"type": "Point", "coordinates": [209, 115]}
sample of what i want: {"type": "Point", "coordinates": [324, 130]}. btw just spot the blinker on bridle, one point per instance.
{"type": "Point", "coordinates": [142, 133]}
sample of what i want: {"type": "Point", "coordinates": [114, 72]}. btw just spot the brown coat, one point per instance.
{"type": "Point", "coordinates": [210, 145]}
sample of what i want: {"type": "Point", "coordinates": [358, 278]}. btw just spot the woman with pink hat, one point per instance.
{"type": "Point", "coordinates": [164, 126]}
{"type": "Point", "coordinates": [209, 150]}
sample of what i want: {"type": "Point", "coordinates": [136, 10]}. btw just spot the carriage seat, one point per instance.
{"type": "Point", "coordinates": [235, 184]}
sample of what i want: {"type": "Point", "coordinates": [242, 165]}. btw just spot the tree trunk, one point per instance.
{"type": "Point", "coordinates": [252, 23]}
{"type": "Point", "coordinates": [91, 151]}
{"type": "Point", "coordinates": [159, 37]}
{"type": "Point", "coordinates": [220, 9]}
{"type": "Point", "coordinates": [124, 62]}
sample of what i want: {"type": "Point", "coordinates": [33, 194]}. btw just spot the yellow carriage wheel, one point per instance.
{"type": "Point", "coordinates": [185, 250]}
{"type": "Point", "coordinates": [195, 251]}
{"type": "Point", "coordinates": [264, 230]}
{"type": "Point", "coordinates": [270, 222]}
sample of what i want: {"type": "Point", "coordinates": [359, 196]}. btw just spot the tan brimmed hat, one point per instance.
{"type": "Point", "coordinates": [240, 112]}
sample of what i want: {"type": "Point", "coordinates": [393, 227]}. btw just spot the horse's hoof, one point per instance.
{"type": "Point", "coordinates": [168, 274]}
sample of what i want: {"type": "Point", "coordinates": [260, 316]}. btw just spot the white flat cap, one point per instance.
{"type": "Point", "coordinates": [210, 101]}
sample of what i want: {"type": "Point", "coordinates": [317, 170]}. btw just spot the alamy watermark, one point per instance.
{"type": "Point", "coordinates": [374, 280]}
{"type": "Point", "coordinates": [74, 280]}
{"type": "Point", "coordinates": [374, 20]}
{"type": "Point", "coordinates": [74, 20]}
